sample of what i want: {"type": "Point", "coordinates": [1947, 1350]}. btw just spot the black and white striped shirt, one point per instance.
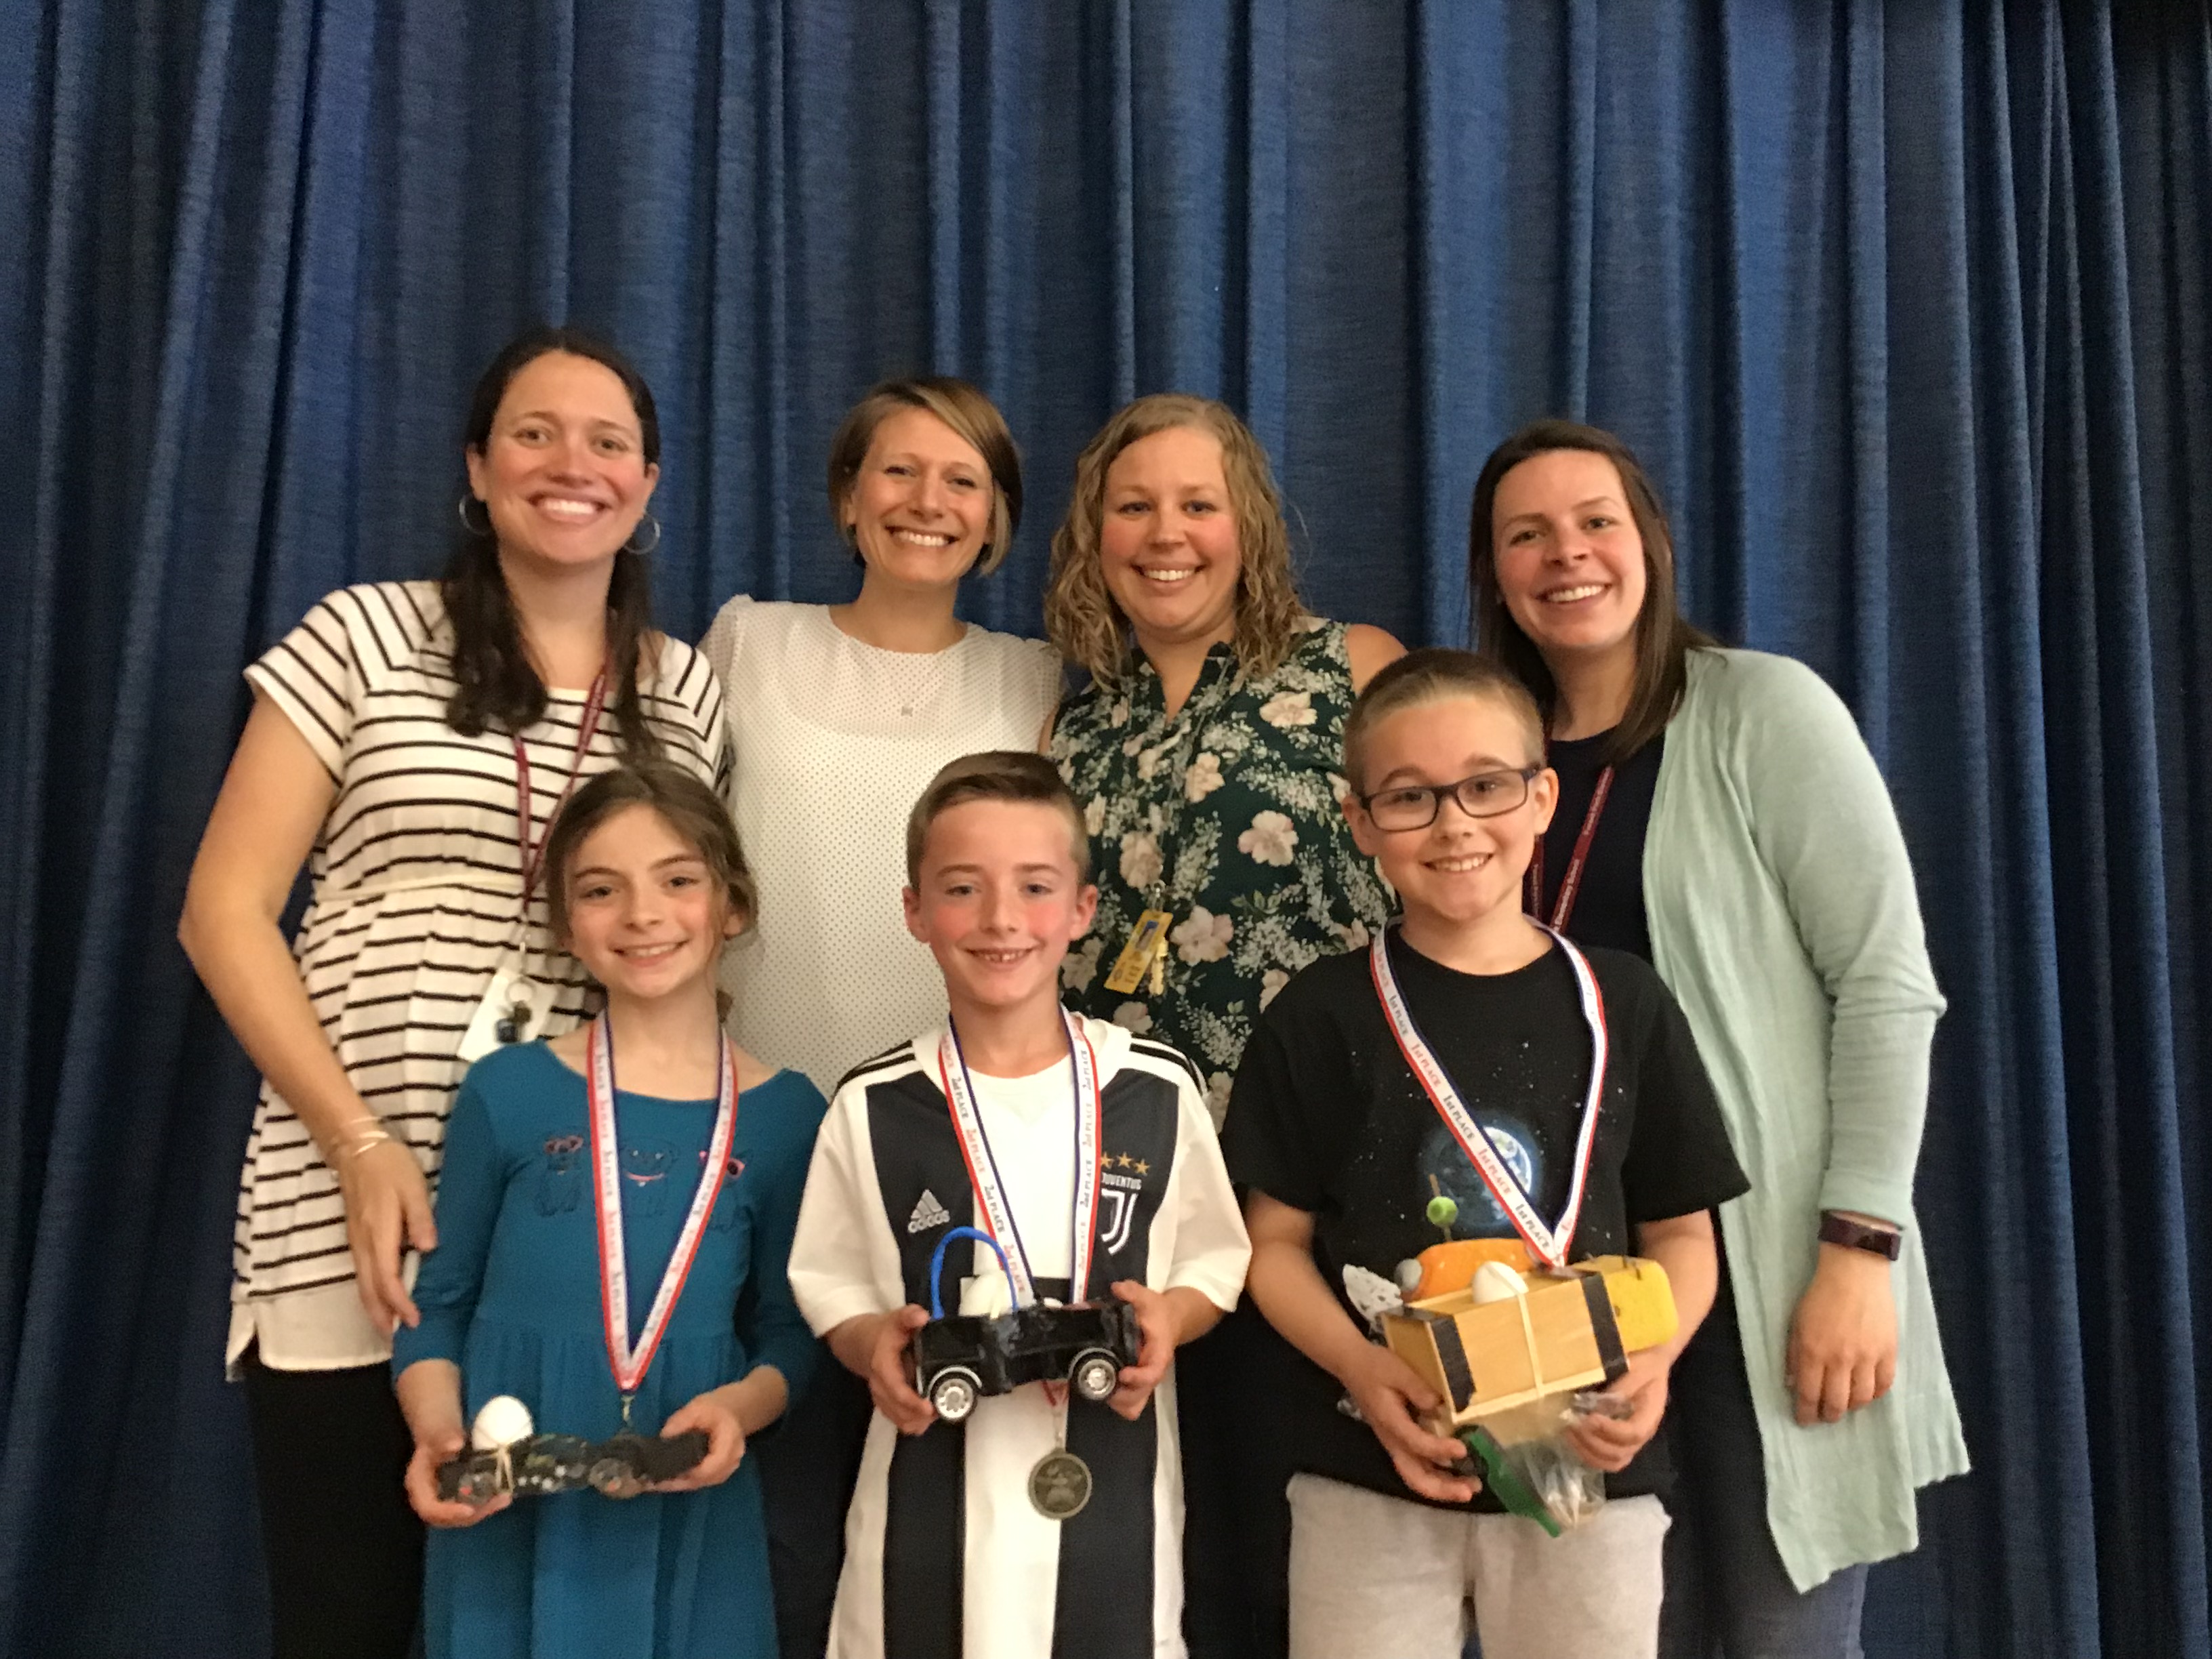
{"type": "Point", "coordinates": [416, 883]}
{"type": "Point", "coordinates": [945, 1555]}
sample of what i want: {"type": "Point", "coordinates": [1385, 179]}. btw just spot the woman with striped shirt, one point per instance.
{"type": "Point", "coordinates": [411, 742]}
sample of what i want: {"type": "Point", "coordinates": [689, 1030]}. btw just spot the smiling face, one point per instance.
{"type": "Point", "coordinates": [919, 510]}
{"type": "Point", "coordinates": [1459, 870]}
{"type": "Point", "coordinates": [646, 914]}
{"type": "Point", "coordinates": [1168, 543]}
{"type": "Point", "coordinates": [563, 474]}
{"type": "Point", "coordinates": [1570, 559]}
{"type": "Point", "coordinates": [998, 900]}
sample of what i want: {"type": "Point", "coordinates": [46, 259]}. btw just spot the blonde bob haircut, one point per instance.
{"type": "Point", "coordinates": [974, 420]}
{"type": "Point", "coordinates": [1080, 616]}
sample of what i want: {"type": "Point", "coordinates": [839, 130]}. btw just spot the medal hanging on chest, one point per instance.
{"type": "Point", "coordinates": [1059, 1483]}
{"type": "Point", "coordinates": [1550, 1243]}
{"type": "Point", "coordinates": [629, 1361]}
{"type": "Point", "coordinates": [513, 1007]}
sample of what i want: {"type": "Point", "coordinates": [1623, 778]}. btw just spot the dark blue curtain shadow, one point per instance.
{"type": "Point", "coordinates": [1906, 305]}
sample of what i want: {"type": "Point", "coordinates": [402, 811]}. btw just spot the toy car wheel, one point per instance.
{"type": "Point", "coordinates": [954, 1395]}
{"type": "Point", "coordinates": [1095, 1375]}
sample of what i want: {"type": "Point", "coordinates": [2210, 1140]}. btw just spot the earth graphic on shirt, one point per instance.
{"type": "Point", "coordinates": [1445, 1172]}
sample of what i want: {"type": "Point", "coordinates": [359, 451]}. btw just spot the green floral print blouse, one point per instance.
{"type": "Point", "coordinates": [1226, 814]}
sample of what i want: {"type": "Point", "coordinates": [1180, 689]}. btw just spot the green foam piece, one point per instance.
{"type": "Point", "coordinates": [1502, 1479]}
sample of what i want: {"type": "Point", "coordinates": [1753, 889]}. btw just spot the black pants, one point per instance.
{"type": "Point", "coordinates": [344, 1550]}
{"type": "Point", "coordinates": [1236, 1515]}
{"type": "Point", "coordinates": [808, 1464]}
{"type": "Point", "coordinates": [1727, 1589]}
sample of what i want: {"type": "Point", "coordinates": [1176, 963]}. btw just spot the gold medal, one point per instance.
{"type": "Point", "coordinates": [1060, 1485]}
{"type": "Point", "coordinates": [1148, 939]}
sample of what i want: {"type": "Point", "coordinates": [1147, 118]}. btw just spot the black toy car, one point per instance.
{"type": "Point", "coordinates": [564, 1462]}
{"type": "Point", "coordinates": [961, 1357]}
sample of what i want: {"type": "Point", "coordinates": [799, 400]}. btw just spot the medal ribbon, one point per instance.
{"type": "Point", "coordinates": [1571, 885]}
{"type": "Point", "coordinates": [983, 1168]}
{"type": "Point", "coordinates": [1549, 1244]}
{"type": "Point", "coordinates": [533, 844]}
{"type": "Point", "coordinates": [630, 1364]}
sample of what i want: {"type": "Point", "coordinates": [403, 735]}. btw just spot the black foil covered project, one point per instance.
{"type": "Point", "coordinates": [962, 1358]}
{"type": "Point", "coordinates": [546, 1463]}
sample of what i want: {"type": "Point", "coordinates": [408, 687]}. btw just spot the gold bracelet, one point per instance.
{"type": "Point", "coordinates": [362, 1138]}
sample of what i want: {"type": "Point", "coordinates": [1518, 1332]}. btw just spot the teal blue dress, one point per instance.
{"type": "Point", "coordinates": [511, 1295]}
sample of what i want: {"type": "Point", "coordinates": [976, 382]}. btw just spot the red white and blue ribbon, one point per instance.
{"type": "Point", "coordinates": [631, 1362]}
{"type": "Point", "coordinates": [983, 1168]}
{"type": "Point", "coordinates": [1549, 1244]}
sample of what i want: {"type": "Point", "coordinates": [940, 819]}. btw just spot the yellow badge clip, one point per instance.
{"type": "Point", "coordinates": [1147, 948]}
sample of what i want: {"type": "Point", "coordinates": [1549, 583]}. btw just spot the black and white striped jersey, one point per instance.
{"type": "Point", "coordinates": [945, 1554]}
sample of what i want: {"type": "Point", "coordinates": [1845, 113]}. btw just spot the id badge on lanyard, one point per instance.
{"type": "Point", "coordinates": [513, 1007]}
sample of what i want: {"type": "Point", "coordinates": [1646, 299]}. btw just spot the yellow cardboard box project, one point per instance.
{"type": "Point", "coordinates": [1570, 1331]}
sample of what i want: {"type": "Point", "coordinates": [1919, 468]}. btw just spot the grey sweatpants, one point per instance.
{"type": "Point", "coordinates": [1379, 1577]}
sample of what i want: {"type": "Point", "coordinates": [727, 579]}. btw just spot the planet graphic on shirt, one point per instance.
{"type": "Point", "coordinates": [1445, 1172]}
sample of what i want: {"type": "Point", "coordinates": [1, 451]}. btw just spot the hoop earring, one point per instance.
{"type": "Point", "coordinates": [469, 525]}
{"type": "Point", "coordinates": [650, 545]}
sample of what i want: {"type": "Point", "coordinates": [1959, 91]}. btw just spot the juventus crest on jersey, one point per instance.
{"type": "Point", "coordinates": [945, 1555]}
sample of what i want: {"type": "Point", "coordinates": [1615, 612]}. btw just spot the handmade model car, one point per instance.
{"type": "Point", "coordinates": [544, 1463]}
{"type": "Point", "coordinates": [1567, 1331]}
{"type": "Point", "coordinates": [961, 1357]}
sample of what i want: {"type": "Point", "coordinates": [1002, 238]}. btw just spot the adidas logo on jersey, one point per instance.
{"type": "Point", "coordinates": [928, 1214]}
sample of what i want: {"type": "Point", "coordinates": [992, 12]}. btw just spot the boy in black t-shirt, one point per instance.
{"type": "Point", "coordinates": [1346, 1155]}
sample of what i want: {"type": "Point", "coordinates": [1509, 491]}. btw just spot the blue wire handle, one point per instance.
{"type": "Point", "coordinates": [937, 1268]}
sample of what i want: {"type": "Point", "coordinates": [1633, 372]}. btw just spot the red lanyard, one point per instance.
{"type": "Point", "coordinates": [1549, 1244]}
{"type": "Point", "coordinates": [983, 1171]}
{"type": "Point", "coordinates": [533, 844]}
{"type": "Point", "coordinates": [1571, 885]}
{"type": "Point", "coordinates": [629, 1363]}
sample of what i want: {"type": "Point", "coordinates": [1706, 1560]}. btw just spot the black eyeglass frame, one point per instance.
{"type": "Point", "coordinates": [1437, 791]}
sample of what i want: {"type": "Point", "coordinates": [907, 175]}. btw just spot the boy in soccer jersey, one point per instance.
{"type": "Point", "coordinates": [1566, 1103]}
{"type": "Point", "coordinates": [1026, 1123]}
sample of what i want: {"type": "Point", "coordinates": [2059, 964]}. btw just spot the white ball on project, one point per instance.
{"type": "Point", "coordinates": [502, 1422]}
{"type": "Point", "coordinates": [1496, 1282]}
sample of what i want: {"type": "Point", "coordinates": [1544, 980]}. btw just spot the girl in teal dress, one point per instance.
{"type": "Point", "coordinates": [519, 1297]}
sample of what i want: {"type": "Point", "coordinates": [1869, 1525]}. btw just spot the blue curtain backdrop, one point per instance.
{"type": "Point", "coordinates": [1907, 305]}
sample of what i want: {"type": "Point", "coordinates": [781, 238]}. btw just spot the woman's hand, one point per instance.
{"type": "Point", "coordinates": [715, 1413]}
{"type": "Point", "coordinates": [387, 1206]}
{"type": "Point", "coordinates": [1393, 1399]}
{"type": "Point", "coordinates": [1843, 1339]}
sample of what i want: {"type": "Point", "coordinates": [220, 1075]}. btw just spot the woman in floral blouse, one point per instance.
{"type": "Point", "coordinates": [1205, 761]}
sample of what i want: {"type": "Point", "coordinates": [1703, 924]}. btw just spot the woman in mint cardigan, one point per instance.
{"type": "Point", "coordinates": [1719, 813]}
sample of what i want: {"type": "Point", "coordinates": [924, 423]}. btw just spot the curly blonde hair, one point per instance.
{"type": "Point", "coordinates": [1080, 616]}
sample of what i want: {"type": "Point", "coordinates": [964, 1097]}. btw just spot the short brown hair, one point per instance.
{"type": "Point", "coordinates": [974, 420]}
{"type": "Point", "coordinates": [1007, 775]}
{"type": "Point", "coordinates": [685, 805]}
{"type": "Point", "coordinates": [1080, 616]}
{"type": "Point", "coordinates": [1432, 674]}
{"type": "Point", "coordinates": [1664, 637]}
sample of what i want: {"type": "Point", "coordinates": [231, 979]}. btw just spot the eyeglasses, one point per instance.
{"type": "Point", "coordinates": [1415, 805]}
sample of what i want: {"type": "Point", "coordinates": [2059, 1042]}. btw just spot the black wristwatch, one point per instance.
{"type": "Point", "coordinates": [1860, 1235]}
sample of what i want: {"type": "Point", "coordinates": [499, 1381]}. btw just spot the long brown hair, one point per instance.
{"type": "Point", "coordinates": [1080, 616]}
{"type": "Point", "coordinates": [685, 805]}
{"type": "Point", "coordinates": [495, 687]}
{"type": "Point", "coordinates": [1664, 636]}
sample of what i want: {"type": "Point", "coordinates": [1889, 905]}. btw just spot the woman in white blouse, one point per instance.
{"type": "Point", "coordinates": [840, 715]}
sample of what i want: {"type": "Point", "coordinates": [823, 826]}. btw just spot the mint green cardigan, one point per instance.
{"type": "Point", "coordinates": [1783, 920]}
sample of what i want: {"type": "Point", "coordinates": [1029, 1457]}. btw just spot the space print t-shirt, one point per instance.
{"type": "Point", "coordinates": [1326, 1116]}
